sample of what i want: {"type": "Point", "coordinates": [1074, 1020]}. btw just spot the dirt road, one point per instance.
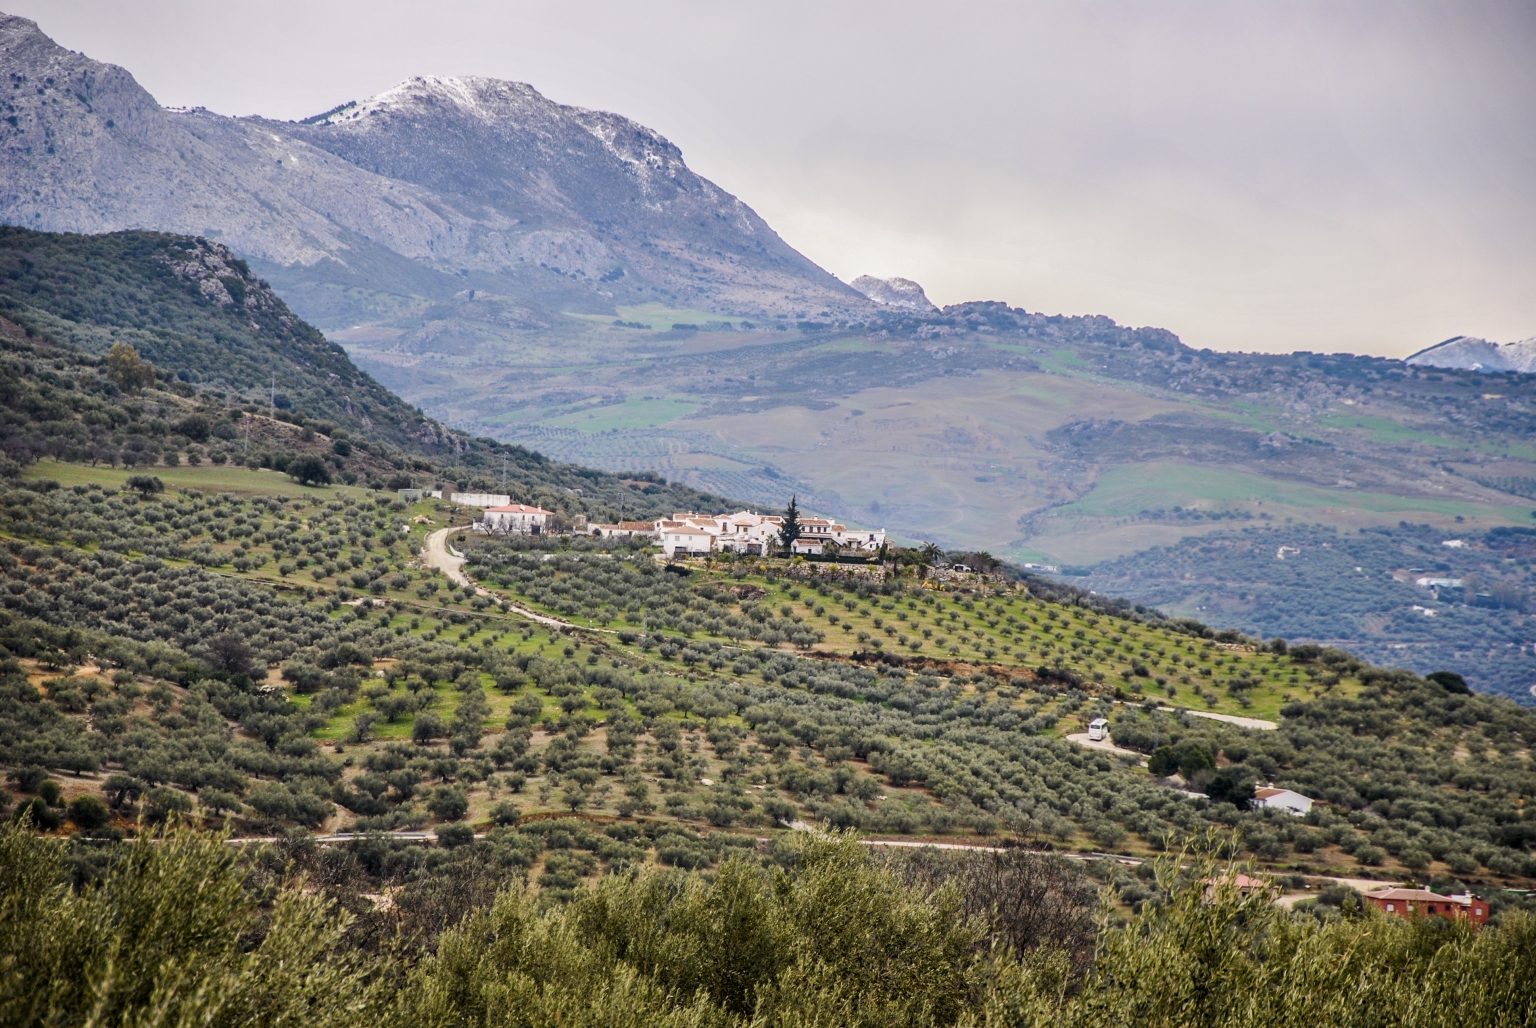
{"type": "Point", "coordinates": [1232, 719]}
{"type": "Point", "coordinates": [1081, 738]}
{"type": "Point", "coordinates": [438, 554]}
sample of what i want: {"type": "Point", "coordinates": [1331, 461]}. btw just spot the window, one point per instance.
{"type": "Point", "coordinates": [1391, 906]}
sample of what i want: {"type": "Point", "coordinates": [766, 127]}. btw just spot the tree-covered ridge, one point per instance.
{"type": "Point", "coordinates": [199, 315]}
{"type": "Point", "coordinates": [203, 390]}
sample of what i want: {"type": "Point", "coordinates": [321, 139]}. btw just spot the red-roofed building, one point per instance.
{"type": "Point", "coordinates": [1423, 903]}
{"type": "Point", "coordinates": [1246, 885]}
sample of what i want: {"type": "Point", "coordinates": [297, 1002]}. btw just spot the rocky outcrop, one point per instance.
{"type": "Point", "coordinates": [1472, 354]}
{"type": "Point", "coordinates": [894, 292]}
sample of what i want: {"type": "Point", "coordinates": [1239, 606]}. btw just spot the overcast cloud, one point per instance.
{"type": "Point", "coordinates": [1325, 176]}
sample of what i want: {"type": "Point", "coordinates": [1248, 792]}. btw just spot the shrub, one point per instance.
{"type": "Point", "coordinates": [161, 803]}
{"type": "Point", "coordinates": [1371, 856]}
{"type": "Point", "coordinates": [89, 813]}
{"type": "Point", "coordinates": [448, 804]}
{"type": "Point", "coordinates": [453, 836]}
{"type": "Point", "coordinates": [428, 726]}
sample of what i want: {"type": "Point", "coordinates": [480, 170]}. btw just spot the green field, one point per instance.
{"type": "Point", "coordinates": [214, 479]}
{"type": "Point", "coordinates": [1129, 489]}
{"type": "Point", "coordinates": [634, 412]}
{"type": "Point", "coordinates": [660, 317]}
{"type": "Point", "coordinates": [1387, 430]}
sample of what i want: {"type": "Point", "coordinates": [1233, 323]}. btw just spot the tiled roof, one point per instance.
{"type": "Point", "coordinates": [518, 508]}
{"type": "Point", "coordinates": [1418, 895]}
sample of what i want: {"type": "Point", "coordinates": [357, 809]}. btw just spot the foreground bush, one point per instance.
{"type": "Point", "coordinates": [173, 935]}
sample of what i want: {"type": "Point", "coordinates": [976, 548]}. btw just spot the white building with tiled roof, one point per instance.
{"type": "Point", "coordinates": [748, 532]}
{"type": "Point", "coordinates": [1282, 799]}
{"type": "Point", "coordinates": [516, 519]}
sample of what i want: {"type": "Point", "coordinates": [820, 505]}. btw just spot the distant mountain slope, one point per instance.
{"type": "Point", "coordinates": [564, 208]}
{"type": "Point", "coordinates": [1472, 354]}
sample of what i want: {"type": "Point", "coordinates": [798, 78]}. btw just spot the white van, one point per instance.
{"type": "Point", "coordinates": [1098, 729]}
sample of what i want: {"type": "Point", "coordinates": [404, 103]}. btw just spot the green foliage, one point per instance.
{"type": "Point", "coordinates": [833, 941]}
{"type": "Point", "coordinates": [823, 934]}
{"type": "Point", "coordinates": [309, 470]}
{"type": "Point", "coordinates": [127, 369]}
{"type": "Point", "coordinates": [162, 940]}
{"type": "Point", "coordinates": [789, 531]}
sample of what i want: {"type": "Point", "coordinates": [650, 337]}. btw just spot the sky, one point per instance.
{"type": "Point", "coordinates": [1252, 176]}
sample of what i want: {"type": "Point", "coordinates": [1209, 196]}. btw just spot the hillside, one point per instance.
{"type": "Point", "coordinates": [160, 569]}
{"type": "Point", "coordinates": [571, 745]}
{"type": "Point", "coordinates": [1403, 596]}
{"type": "Point", "coordinates": [230, 376]}
{"type": "Point", "coordinates": [559, 280]}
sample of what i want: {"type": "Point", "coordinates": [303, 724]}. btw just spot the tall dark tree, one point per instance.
{"type": "Point", "coordinates": [229, 653]}
{"type": "Point", "coordinates": [309, 470]}
{"type": "Point", "coordinates": [790, 530]}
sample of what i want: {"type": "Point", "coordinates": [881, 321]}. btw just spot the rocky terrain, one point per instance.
{"type": "Point", "coordinates": [894, 292]}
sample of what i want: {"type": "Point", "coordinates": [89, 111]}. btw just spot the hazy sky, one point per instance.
{"type": "Point", "coordinates": [1276, 176]}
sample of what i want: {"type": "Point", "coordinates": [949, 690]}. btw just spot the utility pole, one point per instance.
{"type": "Point", "coordinates": [272, 398]}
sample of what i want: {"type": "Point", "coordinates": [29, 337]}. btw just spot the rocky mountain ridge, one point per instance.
{"type": "Point", "coordinates": [430, 182]}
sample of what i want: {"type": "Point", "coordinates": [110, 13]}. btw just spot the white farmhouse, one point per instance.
{"type": "Point", "coordinates": [817, 533]}
{"type": "Point", "coordinates": [748, 532]}
{"type": "Point", "coordinates": [1282, 799]}
{"type": "Point", "coordinates": [516, 519]}
{"type": "Point", "coordinates": [680, 539]}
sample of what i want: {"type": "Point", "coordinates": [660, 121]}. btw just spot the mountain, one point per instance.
{"type": "Point", "coordinates": [894, 292]}
{"type": "Point", "coordinates": [1473, 354]}
{"type": "Point", "coordinates": [438, 184]}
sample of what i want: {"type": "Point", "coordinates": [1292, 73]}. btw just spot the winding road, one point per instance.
{"type": "Point", "coordinates": [438, 554]}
